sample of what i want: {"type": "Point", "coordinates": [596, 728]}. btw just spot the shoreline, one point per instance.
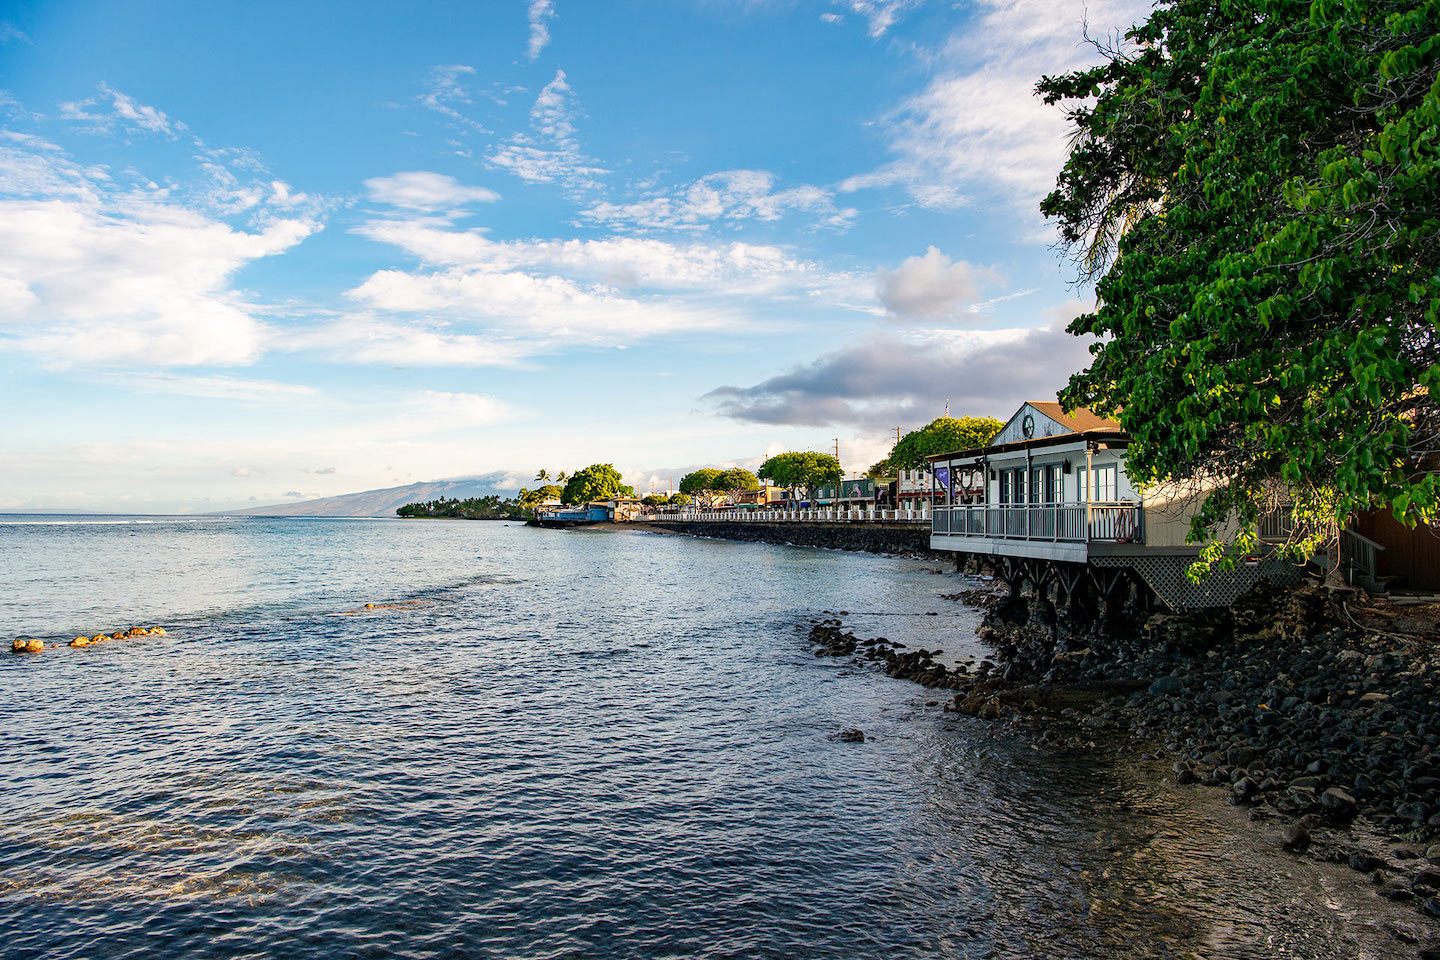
{"type": "Point", "coordinates": [1313, 710]}
{"type": "Point", "coordinates": [1346, 768]}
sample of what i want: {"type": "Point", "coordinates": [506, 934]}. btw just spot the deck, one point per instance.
{"type": "Point", "coordinates": [1045, 531]}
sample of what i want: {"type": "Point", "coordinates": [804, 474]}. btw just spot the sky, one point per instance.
{"type": "Point", "coordinates": [264, 251]}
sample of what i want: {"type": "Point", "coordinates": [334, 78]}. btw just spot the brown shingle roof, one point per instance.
{"type": "Point", "coordinates": [1079, 419]}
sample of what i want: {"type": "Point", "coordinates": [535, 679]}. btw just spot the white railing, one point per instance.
{"type": "Point", "coordinates": [1114, 522]}
{"type": "Point", "coordinates": [852, 514]}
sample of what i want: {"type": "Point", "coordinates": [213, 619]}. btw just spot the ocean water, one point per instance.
{"type": "Point", "coordinates": [566, 744]}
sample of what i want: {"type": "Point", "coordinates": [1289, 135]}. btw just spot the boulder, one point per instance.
{"type": "Point", "coordinates": [1338, 803]}
{"type": "Point", "coordinates": [849, 735]}
{"type": "Point", "coordinates": [1296, 838]}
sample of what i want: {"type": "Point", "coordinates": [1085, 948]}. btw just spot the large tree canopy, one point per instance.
{"type": "Point", "coordinates": [708, 484]}
{"type": "Point", "coordinates": [1256, 186]}
{"type": "Point", "coordinates": [599, 481]}
{"type": "Point", "coordinates": [944, 435]}
{"type": "Point", "coordinates": [801, 471]}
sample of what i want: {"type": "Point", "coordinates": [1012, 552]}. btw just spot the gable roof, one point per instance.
{"type": "Point", "coordinates": [1072, 426]}
{"type": "Point", "coordinates": [1080, 419]}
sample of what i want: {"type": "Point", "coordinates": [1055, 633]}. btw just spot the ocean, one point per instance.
{"type": "Point", "coordinates": [538, 743]}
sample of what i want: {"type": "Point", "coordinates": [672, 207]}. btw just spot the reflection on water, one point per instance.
{"type": "Point", "coordinates": [542, 744]}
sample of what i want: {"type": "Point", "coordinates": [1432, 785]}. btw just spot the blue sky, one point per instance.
{"type": "Point", "coordinates": [252, 252]}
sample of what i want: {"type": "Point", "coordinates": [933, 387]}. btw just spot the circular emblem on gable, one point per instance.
{"type": "Point", "coordinates": [1028, 426]}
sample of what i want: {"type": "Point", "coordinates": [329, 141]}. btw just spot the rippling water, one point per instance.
{"type": "Point", "coordinates": [564, 744]}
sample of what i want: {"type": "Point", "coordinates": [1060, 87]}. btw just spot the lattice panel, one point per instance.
{"type": "Point", "coordinates": [1165, 574]}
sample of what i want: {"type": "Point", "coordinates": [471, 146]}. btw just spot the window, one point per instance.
{"type": "Point", "coordinates": [1103, 483]}
{"type": "Point", "coordinates": [1004, 486]}
{"type": "Point", "coordinates": [1052, 484]}
{"type": "Point", "coordinates": [1036, 484]}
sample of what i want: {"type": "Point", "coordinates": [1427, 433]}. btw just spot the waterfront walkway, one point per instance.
{"type": "Point", "coordinates": [919, 516]}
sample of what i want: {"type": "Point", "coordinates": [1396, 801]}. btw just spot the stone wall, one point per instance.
{"type": "Point", "coordinates": [866, 537]}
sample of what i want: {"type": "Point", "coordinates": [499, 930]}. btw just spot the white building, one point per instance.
{"type": "Point", "coordinates": [1054, 490]}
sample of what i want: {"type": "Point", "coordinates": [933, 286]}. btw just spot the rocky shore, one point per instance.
{"type": "Point", "coordinates": [1318, 709]}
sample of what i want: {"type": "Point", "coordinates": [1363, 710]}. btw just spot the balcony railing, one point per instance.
{"type": "Point", "coordinates": [1114, 522]}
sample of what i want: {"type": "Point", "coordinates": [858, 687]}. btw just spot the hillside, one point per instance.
{"type": "Point", "coordinates": [383, 502]}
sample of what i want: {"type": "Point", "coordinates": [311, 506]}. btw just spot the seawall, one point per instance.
{"type": "Point", "coordinates": [908, 539]}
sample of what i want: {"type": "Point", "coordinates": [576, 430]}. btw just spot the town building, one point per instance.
{"type": "Point", "coordinates": [1049, 498]}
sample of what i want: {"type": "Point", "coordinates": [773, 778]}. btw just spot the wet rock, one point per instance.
{"type": "Point", "coordinates": [848, 735]}
{"type": "Point", "coordinates": [24, 645]}
{"type": "Point", "coordinates": [1432, 854]}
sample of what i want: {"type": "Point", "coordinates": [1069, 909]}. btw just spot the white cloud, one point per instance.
{"type": "Point", "coordinates": [417, 342]}
{"type": "Point", "coordinates": [930, 287]}
{"type": "Point", "coordinates": [422, 190]}
{"type": "Point", "coordinates": [550, 153]}
{"type": "Point", "coordinates": [977, 127]}
{"type": "Point", "coordinates": [623, 262]}
{"type": "Point", "coordinates": [97, 274]}
{"type": "Point", "coordinates": [9, 32]}
{"type": "Point", "coordinates": [539, 12]}
{"type": "Point", "coordinates": [548, 306]}
{"type": "Point", "coordinates": [880, 15]}
{"type": "Point", "coordinates": [726, 196]}
{"type": "Point", "coordinates": [124, 111]}
{"type": "Point", "coordinates": [831, 18]}
{"type": "Point", "coordinates": [461, 409]}
{"type": "Point", "coordinates": [447, 93]}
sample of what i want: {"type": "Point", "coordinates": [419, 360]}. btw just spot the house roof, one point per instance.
{"type": "Point", "coordinates": [1081, 419]}
{"type": "Point", "coordinates": [1080, 423]}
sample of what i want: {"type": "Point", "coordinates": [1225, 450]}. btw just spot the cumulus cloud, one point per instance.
{"type": "Point", "coordinates": [550, 153]}
{"type": "Point", "coordinates": [539, 13]}
{"type": "Point", "coordinates": [891, 379]}
{"type": "Point", "coordinates": [94, 273]}
{"type": "Point", "coordinates": [930, 287]}
{"type": "Point", "coordinates": [422, 190]}
{"type": "Point", "coordinates": [977, 127]}
{"type": "Point", "coordinates": [729, 195]}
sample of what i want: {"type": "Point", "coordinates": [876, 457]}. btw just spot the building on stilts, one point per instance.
{"type": "Point", "coordinates": [1049, 507]}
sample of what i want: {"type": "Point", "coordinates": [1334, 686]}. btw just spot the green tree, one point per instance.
{"type": "Point", "coordinates": [550, 491]}
{"type": "Point", "coordinates": [702, 484]}
{"type": "Point", "coordinates": [542, 476]}
{"type": "Point", "coordinates": [655, 500]}
{"type": "Point", "coordinates": [680, 499]}
{"type": "Point", "coordinates": [1257, 188]}
{"type": "Point", "coordinates": [599, 481]}
{"type": "Point", "coordinates": [801, 471]}
{"type": "Point", "coordinates": [881, 470]}
{"type": "Point", "coordinates": [736, 480]}
{"type": "Point", "coordinates": [942, 435]}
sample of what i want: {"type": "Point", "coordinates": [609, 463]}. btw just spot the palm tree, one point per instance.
{"type": "Point", "coordinates": [542, 476]}
{"type": "Point", "coordinates": [561, 477]}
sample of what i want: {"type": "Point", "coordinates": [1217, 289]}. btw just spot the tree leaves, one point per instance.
{"type": "Point", "coordinates": [1268, 304]}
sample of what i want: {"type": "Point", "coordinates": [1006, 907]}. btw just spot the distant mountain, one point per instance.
{"type": "Point", "coordinates": [383, 502]}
